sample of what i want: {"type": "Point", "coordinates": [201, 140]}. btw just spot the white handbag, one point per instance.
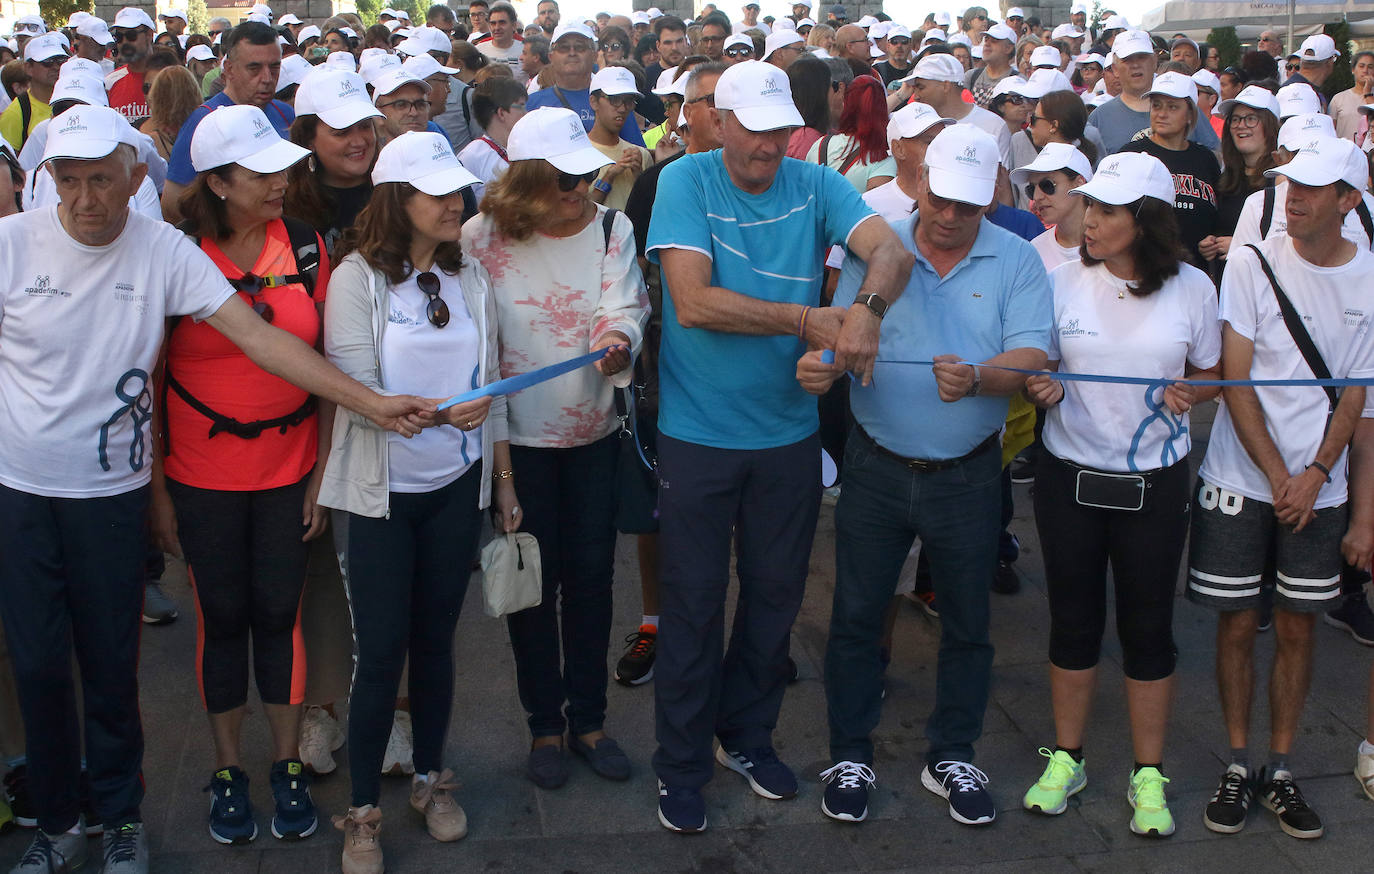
{"type": "Point", "coordinates": [511, 574]}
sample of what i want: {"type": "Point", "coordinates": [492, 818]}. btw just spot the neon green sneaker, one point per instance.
{"type": "Point", "coordinates": [1063, 777]}
{"type": "Point", "coordinates": [1146, 795]}
{"type": "Point", "coordinates": [6, 816]}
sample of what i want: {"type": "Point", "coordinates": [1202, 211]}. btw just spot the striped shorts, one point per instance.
{"type": "Point", "coordinates": [1236, 539]}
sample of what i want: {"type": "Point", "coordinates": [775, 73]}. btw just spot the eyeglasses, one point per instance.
{"type": "Point", "coordinates": [126, 34]}
{"type": "Point", "coordinates": [1049, 186]}
{"type": "Point", "coordinates": [740, 52]}
{"type": "Point", "coordinates": [28, 28]}
{"type": "Point", "coordinates": [613, 47]}
{"type": "Point", "coordinates": [621, 101]}
{"type": "Point", "coordinates": [1291, 68]}
{"type": "Point", "coordinates": [963, 210]}
{"type": "Point", "coordinates": [1033, 118]}
{"type": "Point", "coordinates": [899, 41]}
{"type": "Point", "coordinates": [418, 105]}
{"type": "Point", "coordinates": [1016, 99]}
{"type": "Point", "coordinates": [1245, 121]}
{"type": "Point", "coordinates": [709, 98]}
{"type": "Point", "coordinates": [436, 310]}
{"type": "Point", "coordinates": [569, 182]}
{"type": "Point", "coordinates": [253, 285]}
{"type": "Point", "coordinates": [704, 39]}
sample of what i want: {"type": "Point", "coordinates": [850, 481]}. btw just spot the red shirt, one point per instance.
{"type": "Point", "coordinates": [125, 90]}
{"type": "Point", "coordinates": [219, 375]}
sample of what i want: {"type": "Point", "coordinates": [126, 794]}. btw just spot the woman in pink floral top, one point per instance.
{"type": "Point", "coordinates": [566, 282]}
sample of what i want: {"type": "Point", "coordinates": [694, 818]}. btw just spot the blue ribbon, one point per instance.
{"type": "Point", "coordinates": [513, 384]}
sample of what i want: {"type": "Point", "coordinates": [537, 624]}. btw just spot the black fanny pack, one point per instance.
{"type": "Point", "coordinates": [1110, 491]}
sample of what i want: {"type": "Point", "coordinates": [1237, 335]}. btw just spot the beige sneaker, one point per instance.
{"type": "Point", "coordinates": [445, 820]}
{"type": "Point", "coordinates": [1364, 772]}
{"type": "Point", "coordinates": [362, 849]}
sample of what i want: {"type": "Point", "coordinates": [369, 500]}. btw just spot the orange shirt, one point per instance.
{"type": "Point", "coordinates": [219, 375]}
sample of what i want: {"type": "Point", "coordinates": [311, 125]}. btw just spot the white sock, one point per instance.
{"type": "Point", "coordinates": [1366, 748]}
{"type": "Point", "coordinates": [649, 620]}
{"type": "Point", "coordinates": [76, 829]}
{"type": "Point", "coordinates": [421, 778]}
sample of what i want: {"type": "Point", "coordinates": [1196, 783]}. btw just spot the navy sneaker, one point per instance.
{"type": "Point", "coordinates": [767, 776]}
{"type": "Point", "coordinates": [231, 812]}
{"type": "Point", "coordinates": [295, 817]}
{"type": "Point", "coordinates": [963, 786]}
{"type": "Point", "coordinates": [681, 810]}
{"type": "Point", "coordinates": [846, 791]}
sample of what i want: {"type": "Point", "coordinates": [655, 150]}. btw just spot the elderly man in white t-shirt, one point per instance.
{"type": "Point", "coordinates": [1273, 482]}
{"type": "Point", "coordinates": [82, 309]}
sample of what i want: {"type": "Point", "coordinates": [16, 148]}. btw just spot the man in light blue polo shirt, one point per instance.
{"type": "Point", "coordinates": [741, 234]}
{"type": "Point", "coordinates": [924, 458]}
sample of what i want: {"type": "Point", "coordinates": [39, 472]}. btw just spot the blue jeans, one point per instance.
{"type": "Point", "coordinates": [956, 512]}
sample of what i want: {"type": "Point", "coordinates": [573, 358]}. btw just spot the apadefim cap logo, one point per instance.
{"type": "Point", "coordinates": [770, 87]}
{"type": "Point", "coordinates": [970, 156]}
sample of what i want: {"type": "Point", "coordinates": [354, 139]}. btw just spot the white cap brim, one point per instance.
{"type": "Point", "coordinates": [579, 161]}
{"type": "Point", "coordinates": [766, 118]}
{"type": "Point", "coordinates": [1106, 191]}
{"type": "Point", "coordinates": [275, 158]}
{"type": "Point", "coordinates": [956, 186]}
{"type": "Point", "coordinates": [445, 181]}
{"type": "Point", "coordinates": [349, 114]}
{"type": "Point", "coordinates": [1308, 168]}
{"type": "Point", "coordinates": [86, 149]}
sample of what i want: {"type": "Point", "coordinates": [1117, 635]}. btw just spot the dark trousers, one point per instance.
{"type": "Point", "coordinates": [247, 564]}
{"type": "Point", "coordinates": [767, 500]}
{"type": "Point", "coordinates": [407, 576]}
{"type": "Point", "coordinates": [71, 577]}
{"type": "Point", "coordinates": [568, 496]}
{"type": "Point", "coordinates": [956, 513]}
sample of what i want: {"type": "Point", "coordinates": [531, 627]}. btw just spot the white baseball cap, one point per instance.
{"type": "Point", "coordinates": [338, 97]}
{"type": "Point", "coordinates": [1132, 42]}
{"type": "Point", "coordinates": [639, 18]}
{"type": "Point", "coordinates": [75, 65]}
{"type": "Point", "coordinates": [1173, 84]}
{"type": "Point", "coordinates": [425, 39]}
{"type": "Point", "coordinates": [1205, 78]}
{"type": "Point", "coordinates": [1091, 58]}
{"type": "Point", "coordinates": [1046, 56]}
{"type": "Point", "coordinates": [1252, 96]}
{"type": "Point", "coordinates": [556, 135]}
{"type": "Point", "coordinates": [341, 61]}
{"type": "Point", "coordinates": [289, 18]}
{"type": "Point", "coordinates": [874, 52]}
{"type": "Point", "coordinates": [943, 19]}
{"type": "Point", "coordinates": [350, 32]}
{"type": "Point", "coordinates": [678, 86]}
{"type": "Point", "coordinates": [879, 30]}
{"type": "Point", "coordinates": [784, 24]}
{"type": "Point", "coordinates": [1116, 22]}
{"type": "Point", "coordinates": [1078, 7]}
{"type": "Point", "coordinates": [937, 68]}
{"type": "Point", "coordinates": [261, 9]}
{"type": "Point", "coordinates": [81, 87]}
{"type": "Point", "coordinates": [1042, 82]}
{"type": "Point", "coordinates": [1016, 12]}
{"type": "Point", "coordinates": [44, 48]}
{"type": "Point", "coordinates": [393, 24]}
{"type": "Point", "coordinates": [87, 133]}
{"type": "Point", "coordinates": [1055, 156]}
{"type": "Point", "coordinates": [30, 22]}
{"type": "Point", "coordinates": [806, 3]}
{"type": "Point", "coordinates": [1000, 31]}
{"type": "Point", "coordinates": [1007, 84]}
{"type": "Point", "coordinates": [896, 31]}
{"type": "Point", "coordinates": [865, 22]}
{"type": "Point", "coordinates": [172, 13]}
{"type": "Point", "coordinates": [958, 39]}
{"type": "Point", "coordinates": [961, 164]}
{"type": "Point", "coordinates": [310, 31]}
{"type": "Point", "coordinates": [913, 120]}
{"type": "Point", "coordinates": [759, 95]}
{"type": "Point", "coordinates": [779, 39]}
{"type": "Point", "coordinates": [1126, 177]}
{"type": "Point", "coordinates": [424, 66]}
{"type": "Point", "coordinates": [241, 134]}
{"type": "Point", "coordinates": [1066, 31]}
{"type": "Point", "coordinates": [424, 160]}
{"type": "Point", "coordinates": [575, 28]}
{"type": "Point", "coordinates": [1324, 161]}
{"type": "Point", "coordinates": [1302, 130]}
{"type": "Point", "coordinates": [1099, 98]}
{"type": "Point", "coordinates": [372, 66]}
{"type": "Point", "coordinates": [132, 16]}
{"type": "Point", "coordinates": [402, 14]}
{"type": "Point", "coordinates": [737, 39]}
{"type": "Point", "coordinates": [1297, 99]}
{"type": "Point", "coordinates": [202, 52]}
{"type": "Point", "coordinates": [935, 34]}
{"type": "Point", "coordinates": [806, 22]}
{"type": "Point", "coordinates": [389, 79]}
{"type": "Point", "coordinates": [1317, 47]}
{"type": "Point", "coordinates": [77, 17]}
{"type": "Point", "coordinates": [616, 80]}
{"type": "Point", "coordinates": [654, 12]}
{"type": "Point", "coordinates": [96, 29]}
{"type": "Point", "coordinates": [294, 69]}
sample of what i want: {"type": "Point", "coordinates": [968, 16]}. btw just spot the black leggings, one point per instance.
{"type": "Point", "coordinates": [406, 579]}
{"type": "Point", "coordinates": [1144, 549]}
{"type": "Point", "coordinates": [247, 566]}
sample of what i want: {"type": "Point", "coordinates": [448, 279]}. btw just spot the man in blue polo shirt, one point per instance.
{"type": "Point", "coordinates": [572, 55]}
{"type": "Point", "coordinates": [924, 458]}
{"type": "Point", "coordinates": [741, 235]}
{"type": "Point", "coordinates": [252, 62]}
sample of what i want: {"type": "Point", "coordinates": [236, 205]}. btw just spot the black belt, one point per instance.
{"type": "Point", "coordinates": [931, 465]}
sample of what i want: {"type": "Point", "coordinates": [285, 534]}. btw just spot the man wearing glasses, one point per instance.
{"type": "Point", "coordinates": [714, 30]}
{"type": "Point", "coordinates": [133, 33]}
{"type": "Point", "coordinates": [572, 55]}
{"type": "Point", "coordinates": [852, 43]}
{"type": "Point", "coordinates": [43, 58]}
{"type": "Point", "coordinates": [1270, 43]}
{"type": "Point", "coordinates": [898, 62]}
{"type": "Point", "coordinates": [782, 48]}
{"type": "Point", "coordinates": [25, 29]}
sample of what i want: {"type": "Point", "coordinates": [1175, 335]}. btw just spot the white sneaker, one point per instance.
{"type": "Point", "coordinates": [321, 735]}
{"type": "Point", "coordinates": [400, 748]}
{"type": "Point", "coordinates": [1364, 772]}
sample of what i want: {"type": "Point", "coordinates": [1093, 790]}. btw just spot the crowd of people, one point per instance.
{"type": "Point", "coordinates": [247, 268]}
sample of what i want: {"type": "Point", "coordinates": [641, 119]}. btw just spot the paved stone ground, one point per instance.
{"type": "Point", "coordinates": [594, 826]}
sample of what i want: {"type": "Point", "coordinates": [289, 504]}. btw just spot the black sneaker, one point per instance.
{"type": "Point", "coordinates": [1281, 795]}
{"type": "Point", "coordinates": [294, 817]}
{"type": "Point", "coordinates": [1354, 617]}
{"type": "Point", "coordinates": [681, 810]}
{"type": "Point", "coordinates": [846, 791]}
{"type": "Point", "coordinates": [17, 794]}
{"type": "Point", "coordinates": [963, 786]}
{"type": "Point", "coordinates": [231, 811]}
{"type": "Point", "coordinates": [1226, 812]}
{"type": "Point", "coordinates": [636, 666]}
{"type": "Point", "coordinates": [1006, 581]}
{"type": "Point", "coordinates": [767, 775]}
{"type": "Point", "coordinates": [1022, 470]}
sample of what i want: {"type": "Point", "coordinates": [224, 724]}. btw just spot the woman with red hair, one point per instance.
{"type": "Point", "coordinates": [858, 148]}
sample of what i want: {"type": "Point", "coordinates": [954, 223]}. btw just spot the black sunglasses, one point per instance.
{"type": "Point", "coordinates": [436, 310]}
{"type": "Point", "coordinates": [614, 47]}
{"type": "Point", "coordinates": [568, 182]}
{"type": "Point", "coordinates": [128, 34]}
{"type": "Point", "coordinates": [710, 98]}
{"type": "Point", "coordinates": [1049, 186]}
{"type": "Point", "coordinates": [1292, 68]}
{"type": "Point", "coordinates": [253, 285]}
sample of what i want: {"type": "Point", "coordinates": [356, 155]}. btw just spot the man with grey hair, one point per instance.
{"type": "Point", "coordinates": [534, 57]}
{"type": "Point", "coordinates": [1270, 44]}
{"type": "Point", "coordinates": [82, 315]}
{"type": "Point", "coordinates": [218, 26]}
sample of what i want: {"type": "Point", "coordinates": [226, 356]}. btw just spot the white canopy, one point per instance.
{"type": "Point", "coordinates": [1202, 15]}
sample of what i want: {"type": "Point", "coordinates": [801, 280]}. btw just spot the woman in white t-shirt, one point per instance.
{"type": "Point", "coordinates": [1113, 485]}
{"type": "Point", "coordinates": [408, 310]}
{"type": "Point", "coordinates": [566, 282]}
{"type": "Point", "coordinates": [1047, 183]}
{"type": "Point", "coordinates": [498, 103]}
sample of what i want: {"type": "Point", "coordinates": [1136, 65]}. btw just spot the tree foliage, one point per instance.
{"type": "Point", "coordinates": [1227, 45]}
{"type": "Point", "coordinates": [1341, 77]}
{"type": "Point", "coordinates": [56, 12]}
{"type": "Point", "coordinates": [197, 17]}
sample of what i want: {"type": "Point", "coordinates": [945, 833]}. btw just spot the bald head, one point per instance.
{"type": "Point", "coordinates": [851, 42]}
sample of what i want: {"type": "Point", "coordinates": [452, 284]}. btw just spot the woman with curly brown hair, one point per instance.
{"type": "Point", "coordinates": [172, 97]}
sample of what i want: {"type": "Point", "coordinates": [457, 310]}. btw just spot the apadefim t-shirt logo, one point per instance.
{"type": "Point", "coordinates": [42, 287]}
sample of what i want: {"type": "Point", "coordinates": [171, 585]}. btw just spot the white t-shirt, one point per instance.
{"type": "Point", "coordinates": [1100, 327]}
{"type": "Point", "coordinates": [484, 162]}
{"type": "Point", "coordinates": [508, 56]}
{"type": "Point", "coordinates": [40, 190]}
{"type": "Point", "coordinates": [80, 330]}
{"type": "Point", "coordinates": [1052, 254]}
{"type": "Point", "coordinates": [420, 359]}
{"type": "Point", "coordinates": [993, 124]}
{"type": "Point", "coordinates": [890, 201]}
{"type": "Point", "coordinates": [1248, 225]}
{"type": "Point", "coordinates": [1336, 307]}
